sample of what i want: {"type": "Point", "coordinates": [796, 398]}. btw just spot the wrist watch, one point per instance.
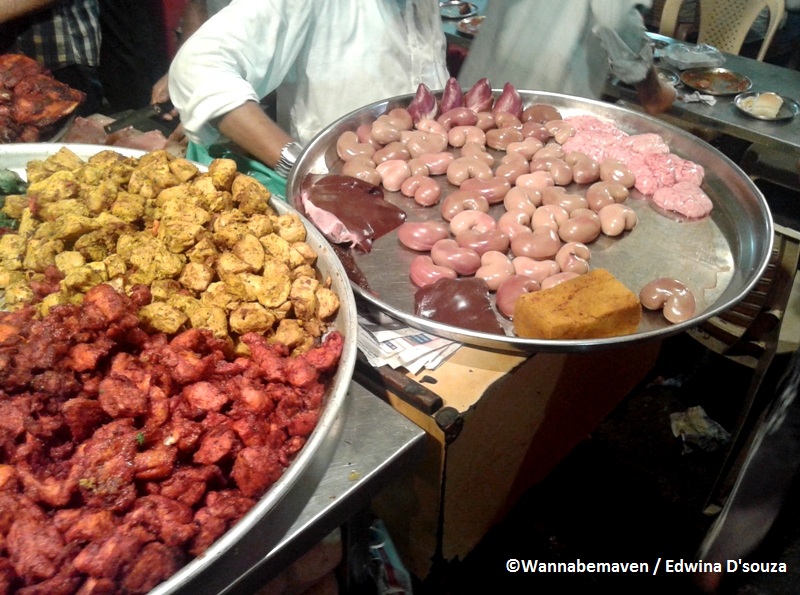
{"type": "Point", "coordinates": [289, 154]}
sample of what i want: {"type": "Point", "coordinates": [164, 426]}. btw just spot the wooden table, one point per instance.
{"type": "Point", "coordinates": [496, 424]}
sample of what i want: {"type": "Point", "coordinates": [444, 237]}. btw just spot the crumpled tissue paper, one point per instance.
{"type": "Point", "coordinates": [697, 97]}
{"type": "Point", "coordinates": [697, 430]}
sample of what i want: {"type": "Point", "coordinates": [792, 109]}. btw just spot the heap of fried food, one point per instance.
{"type": "Point", "coordinates": [123, 453]}
{"type": "Point", "coordinates": [213, 252]}
{"type": "Point", "coordinates": [31, 100]}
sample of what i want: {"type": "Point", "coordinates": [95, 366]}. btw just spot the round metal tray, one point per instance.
{"type": "Point", "coordinates": [720, 258]}
{"type": "Point", "coordinates": [313, 458]}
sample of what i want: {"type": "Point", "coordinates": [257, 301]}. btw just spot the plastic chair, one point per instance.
{"type": "Point", "coordinates": [725, 23]}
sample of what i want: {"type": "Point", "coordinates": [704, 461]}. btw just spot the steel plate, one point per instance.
{"type": "Point", "coordinates": [788, 110]}
{"type": "Point", "coordinates": [314, 457]}
{"type": "Point", "coordinates": [720, 258]}
{"type": "Point", "coordinates": [715, 81]}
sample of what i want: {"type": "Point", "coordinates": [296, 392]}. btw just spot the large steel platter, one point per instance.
{"type": "Point", "coordinates": [719, 258]}
{"type": "Point", "coordinates": [226, 559]}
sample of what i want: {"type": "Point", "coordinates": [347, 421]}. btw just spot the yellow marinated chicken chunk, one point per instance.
{"type": "Point", "coordinates": [222, 172]}
{"type": "Point", "coordinates": [196, 276]}
{"type": "Point", "coordinates": [276, 247]}
{"type": "Point", "coordinates": [327, 303]}
{"type": "Point", "coordinates": [63, 159]}
{"type": "Point", "coordinates": [59, 186]}
{"type": "Point", "coordinates": [12, 251]}
{"type": "Point", "coordinates": [205, 250]}
{"type": "Point", "coordinates": [291, 333]}
{"type": "Point", "coordinates": [85, 277]}
{"type": "Point", "coordinates": [260, 225]}
{"type": "Point", "coordinates": [27, 223]}
{"type": "Point", "coordinates": [98, 244]}
{"type": "Point", "coordinates": [250, 251]}
{"type": "Point", "coordinates": [40, 254]}
{"type": "Point", "coordinates": [251, 317]}
{"type": "Point", "coordinates": [230, 264]}
{"type": "Point", "coordinates": [70, 206]}
{"type": "Point", "coordinates": [275, 284]}
{"type": "Point", "coordinates": [306, 251]}
{"type": "Point", "coordinates": [183, 169]}
{"type": "Point", "coordinates": [250, 196]}
{"type": "Point", "coordinates": [304, 298]}
{"type": "Point", "coordinates": [100, 197]}
{"type": "Point", "coordinates": [219, 294]}
{"type": "Point", "coordinates": [14, 205]}
{"type": "Point", "coordinates": [67, 228]}
{"type": "Point", "coordinates": [183, 302]}
{"type": "Point", "coordinates": [159, 316]}
{"type": "Point", "coordinates": [18, 294]}
{"type": "Point", "coordinates": [163, 289]}
{"type": "Point", "coordinates": [128, 206]}
{"type": "Point", "coordinates": [290, 227]}
{"type": "Point", "coordinates": [68, 260]}
{"type": "Point", "coordinates": [212, 318]}
{"type": "Point", "coordinates": [179, 236]}
{"type": "Point", "coordinates": [8, 277]}
{"type": "Point", "coordinates": [115, 266]}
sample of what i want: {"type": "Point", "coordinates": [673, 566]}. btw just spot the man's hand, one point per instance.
{"type": "Point", "coordinates": [160, 94]}
{"type": "Point", "coordinates": [655, 95]}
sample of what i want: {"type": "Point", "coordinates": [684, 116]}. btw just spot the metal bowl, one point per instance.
{"type": "Point", "coordinates": [225, 561]}
{"type": "Point", "coordinates": [720, 258]}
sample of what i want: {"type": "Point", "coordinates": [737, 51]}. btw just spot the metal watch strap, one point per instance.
{"type": "Point", "coordinates": [289, 154]}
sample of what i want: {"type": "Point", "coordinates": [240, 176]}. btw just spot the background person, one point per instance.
{"type": "Point", "coordinates": [566, 47]}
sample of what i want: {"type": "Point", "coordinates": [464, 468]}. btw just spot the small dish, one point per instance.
{"type": "Point", "coordinates": [457, 9]}
{"type": "Point", "coordinates": [469, 26]}
{"type": "Point", "coordinates": [667, 76]}
{"type": "Point", "coordinates": [716, 81]}
{"type": "Point", "coordinates": [746, 101]}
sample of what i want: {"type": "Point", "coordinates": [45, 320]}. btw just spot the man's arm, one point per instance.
{"type": "Point", "coordinates": [250, 128]}
{"type": "Point", "coordinates": [12, 9]}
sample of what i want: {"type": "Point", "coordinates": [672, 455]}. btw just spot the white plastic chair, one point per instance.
{"type": "Point", "coordinates": [724, 23]}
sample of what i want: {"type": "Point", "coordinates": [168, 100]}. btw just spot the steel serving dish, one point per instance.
{"type": "Point", "coordinates": [262, 527]}
{"type": "Point", "coordinates": [720, 258]}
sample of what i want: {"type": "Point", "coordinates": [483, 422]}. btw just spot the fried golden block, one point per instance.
{"type": "Point", "coordinates": [592, 306]}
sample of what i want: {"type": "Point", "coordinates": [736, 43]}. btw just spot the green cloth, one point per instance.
{"type": "Point", "coordinates": [271, 180]}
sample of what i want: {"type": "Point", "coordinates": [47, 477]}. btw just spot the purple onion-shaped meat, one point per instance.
{"type": "Point", "coordinates": [509, 101]}
{"type": "Point", "coordinates": [452, 96]}
{"type": "Point", "coordinates": [423, 106]}
{"type": "Point", "coordinates": [479, 97]}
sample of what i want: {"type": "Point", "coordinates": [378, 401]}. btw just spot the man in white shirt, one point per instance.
{"type": "Point", "coordinates": [325, 59]}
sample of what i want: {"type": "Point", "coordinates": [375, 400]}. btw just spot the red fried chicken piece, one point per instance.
{"type": "Point", "coordinates": [256, 468]}
{"type": "Point", "coordinates": [155, 563]}
{"type": "Point", "coordinates": [105, 466]}
{"type": "Point", "coordinates": [169, 520]}
{"type": "Point", "coordinates": [42, 100]}
{"type": "Point", "coordinates": [15, 67]}
{"type": "Point", "coordinates": [35, 548]}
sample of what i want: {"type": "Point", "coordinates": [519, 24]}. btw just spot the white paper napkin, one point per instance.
{"type": "Point", "coordinates": [697, 96]}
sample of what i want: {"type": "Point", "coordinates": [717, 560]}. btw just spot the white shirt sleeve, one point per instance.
{"type": "Point", "coordinates": [240, 54]}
